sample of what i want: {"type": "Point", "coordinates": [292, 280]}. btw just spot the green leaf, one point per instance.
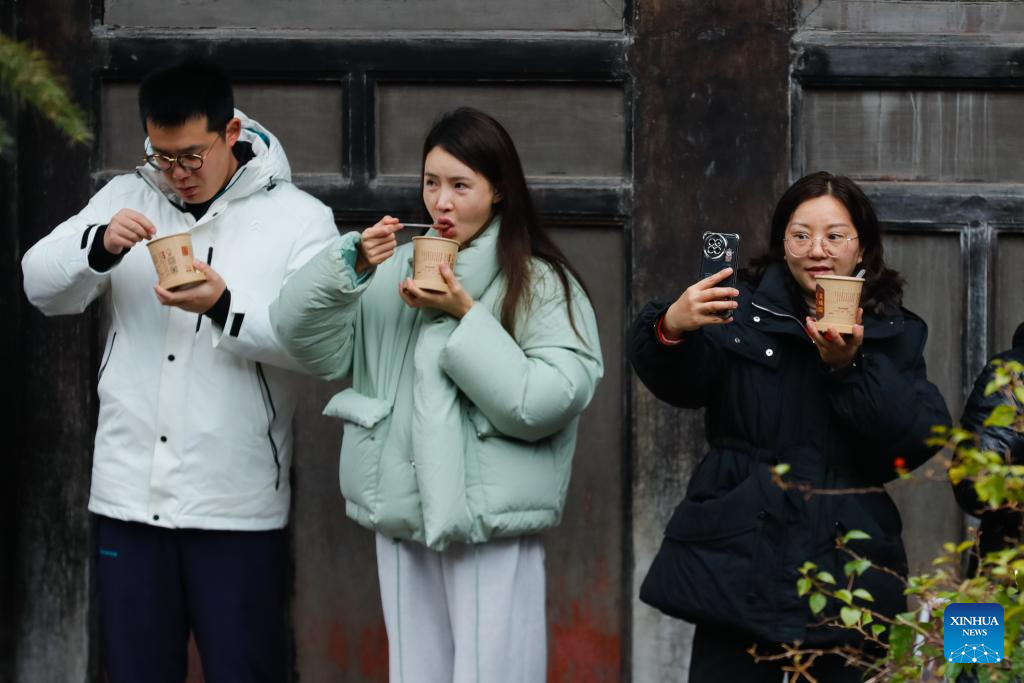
{"type": "Point", "coordinates": [863, 595]}
{"type": "Point", "coordinates": [1002, 416]}
{"type": "Point", "coordinates": [900, 639]}
{"type": "Point", "coordinates": [781, 468]}
{"type": "Point", "coordinates": [1018, 393]}
{"type": "Point", "coordinates": [855, 535]}
{"type": "Point", "coordinates": [825, 577]}
{"type": "Point", "coordinates": [845, 595]}
{"type": "Point", "coordinates": [803, 586]}
{"type": "Point", "coordinates": [877, 630]}
{"type": "Point", "coordinates": [817, 603]}
{"type": "Point", "coordinates": [1000, 378]}
{"type": "Point", "coordinates": [850, 615]}
{"type": "Point", "coordinates": [26, 76]}
{"type": "Point", "coordinates": [807, 566]}
{"type": "Point", "coordinates": [857, 567]}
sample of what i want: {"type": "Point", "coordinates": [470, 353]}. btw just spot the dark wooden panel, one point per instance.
{"type": "Point", "coordinates": [933, 268]}
{"type": "Point", "coordinates": [832, 59]}
{"type": "Point", "coordinates": [370, 15]}
{"type": "Point", "coordinates": [946, 136]}
{"type": "Point", "coordinates": [337, 620]}
{"type": "Point", "coordinates": [560, 129]}
{"type": "Point", "coordinates": [56, 368]}
{"type": "Point", "coordinates": [926, 205]}
{"type": "Point", "coordinates": [586, 558]}
{"type": "Point", "coordinates": [1008, 290]}
{"type": "Point", "coordinates": [11, 309]}
{"type": "Point", "coordinates": [711, 112]}
{"type": "Point", "coordinates": [433, 56]}
{"type": "Point", "coordinates": [306, 117]}
{"type": "Point", "coordinates": [913, 16]}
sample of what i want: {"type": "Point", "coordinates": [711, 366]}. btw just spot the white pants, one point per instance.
{"type": "Point", "coordinates": [470, 614]}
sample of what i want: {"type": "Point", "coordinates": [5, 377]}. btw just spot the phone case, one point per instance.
{"type": "Point", "coordinates": [720, 250]}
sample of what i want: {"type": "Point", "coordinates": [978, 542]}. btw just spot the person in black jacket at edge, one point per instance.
{"type": "Point", "coordinates": [999, 528]}
{"type": "Point", "coordinates": [845, 411]}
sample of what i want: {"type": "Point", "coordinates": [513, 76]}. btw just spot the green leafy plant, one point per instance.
{"type": "Point", "coordinates": [27, 79]}
{"type": "Point", "coordinates": [909, 647]}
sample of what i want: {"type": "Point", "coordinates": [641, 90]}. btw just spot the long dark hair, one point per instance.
{"type": "Point", "coordinates": [480, 142]}
{"type": "Point", "coordinates": [883, 287]}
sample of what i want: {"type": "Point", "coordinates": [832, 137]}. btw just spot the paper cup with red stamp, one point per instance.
{"type": "Point", "coordinates": [428, 253]}
{"type": "Point", "coordinates": [837, 299]}
{"type": "Point", "coordinates": [172, 258]}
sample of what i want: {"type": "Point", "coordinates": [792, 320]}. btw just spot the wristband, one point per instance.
{"type": "Point", "coordinates": [664, 338]}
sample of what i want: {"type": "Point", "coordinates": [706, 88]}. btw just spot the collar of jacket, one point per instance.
{"type": "Point", "coordinates": [775, 304]}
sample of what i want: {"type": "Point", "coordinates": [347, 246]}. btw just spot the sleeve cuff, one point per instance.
{"type": "Point", "coordinates": [350, 256]}
{"type": "Point", "coordinates": [842, 375]}
{"type": "Point", "coordinates": [218, 313]}
{"type": "Point", "coordinates": [659, 332]}
{"type": "Point", "coordinates": [100, 259]}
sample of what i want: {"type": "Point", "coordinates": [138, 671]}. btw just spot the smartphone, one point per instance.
{"type": "Point", "coordinates": [720, 250]}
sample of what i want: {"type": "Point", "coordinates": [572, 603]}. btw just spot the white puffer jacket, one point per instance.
{"type": "Point", "coordinates": [195, 421]}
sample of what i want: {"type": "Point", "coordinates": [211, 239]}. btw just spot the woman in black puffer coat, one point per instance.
{"type": "Point", "coordinates": [844, 411]}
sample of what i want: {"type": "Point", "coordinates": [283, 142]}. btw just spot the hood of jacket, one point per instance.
{"type": "Point", "coordinates": [268, 166]}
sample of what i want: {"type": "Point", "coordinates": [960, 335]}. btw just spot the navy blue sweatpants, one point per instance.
{"type": "Point", "coordinates": [156, 585]}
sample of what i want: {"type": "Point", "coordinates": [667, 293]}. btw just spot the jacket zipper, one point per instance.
{"type": "Point", "coordinates": [110, 352]}
{"type": "Point", "coordinates": [268, 402]}
{"type": "Point", "coordinates": [781, 315]}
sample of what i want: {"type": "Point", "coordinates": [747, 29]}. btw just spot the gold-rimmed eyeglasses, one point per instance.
{"type": "Point", "coordinates": [833, 244]}
{"type": "Point", "coordinates": [191, 161]}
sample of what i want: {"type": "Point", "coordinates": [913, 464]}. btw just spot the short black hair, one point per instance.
{"type": "Point", "coordinates": [190, 89]}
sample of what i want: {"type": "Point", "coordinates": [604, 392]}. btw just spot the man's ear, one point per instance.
{"type": "Point", "coordinates": [232, 131]}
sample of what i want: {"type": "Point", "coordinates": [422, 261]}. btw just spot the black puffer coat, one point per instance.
{"type": "Point", "coordinates": [999, 528]}
{"type": "Point", "coordinates": [733, 546]}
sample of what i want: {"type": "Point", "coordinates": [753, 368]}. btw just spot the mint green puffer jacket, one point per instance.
{"type": "Point", "coordinates": [454, 430]}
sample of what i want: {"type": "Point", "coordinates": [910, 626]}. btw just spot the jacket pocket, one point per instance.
{"type": "Point", "coordinates": [352, 406]}
{"type": "Point", "coordinates": [483, 427]}
{"type": "Point", "coordinates": [360, 467]}
{"type": "Point", "coordinates": [712, 561]}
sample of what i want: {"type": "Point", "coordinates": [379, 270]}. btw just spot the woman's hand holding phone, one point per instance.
{"type": "Point", "coordinates": [701, 304]}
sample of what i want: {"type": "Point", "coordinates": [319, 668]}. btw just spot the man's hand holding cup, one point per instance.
{"type": "Point", "coordinates": [198, 298]}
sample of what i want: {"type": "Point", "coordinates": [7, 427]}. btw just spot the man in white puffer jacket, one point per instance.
{"type": "Point", "coordinates": [190, 474]}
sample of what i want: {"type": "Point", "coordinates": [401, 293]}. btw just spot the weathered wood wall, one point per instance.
{"type": "Point", "coordinates": [711, 131]}
{"type": "Point", "coordinates": [642, 124]}
{"type": "Point", "coordinates": [55, 365]}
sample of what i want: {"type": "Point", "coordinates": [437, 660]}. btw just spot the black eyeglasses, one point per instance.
{"type": "Point", "coordinates": [191, 161]}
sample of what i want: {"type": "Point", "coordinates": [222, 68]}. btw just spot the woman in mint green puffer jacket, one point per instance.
{"type": "Point", "coordinates": [461, 421]}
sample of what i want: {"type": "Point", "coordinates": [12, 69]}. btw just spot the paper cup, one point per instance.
{"type": "Point", "coordinates": [172, 257]}
{"type": "Point", "coordinates": [428, 253]}
{"type": "Point", "coordinates": [837, 299]}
